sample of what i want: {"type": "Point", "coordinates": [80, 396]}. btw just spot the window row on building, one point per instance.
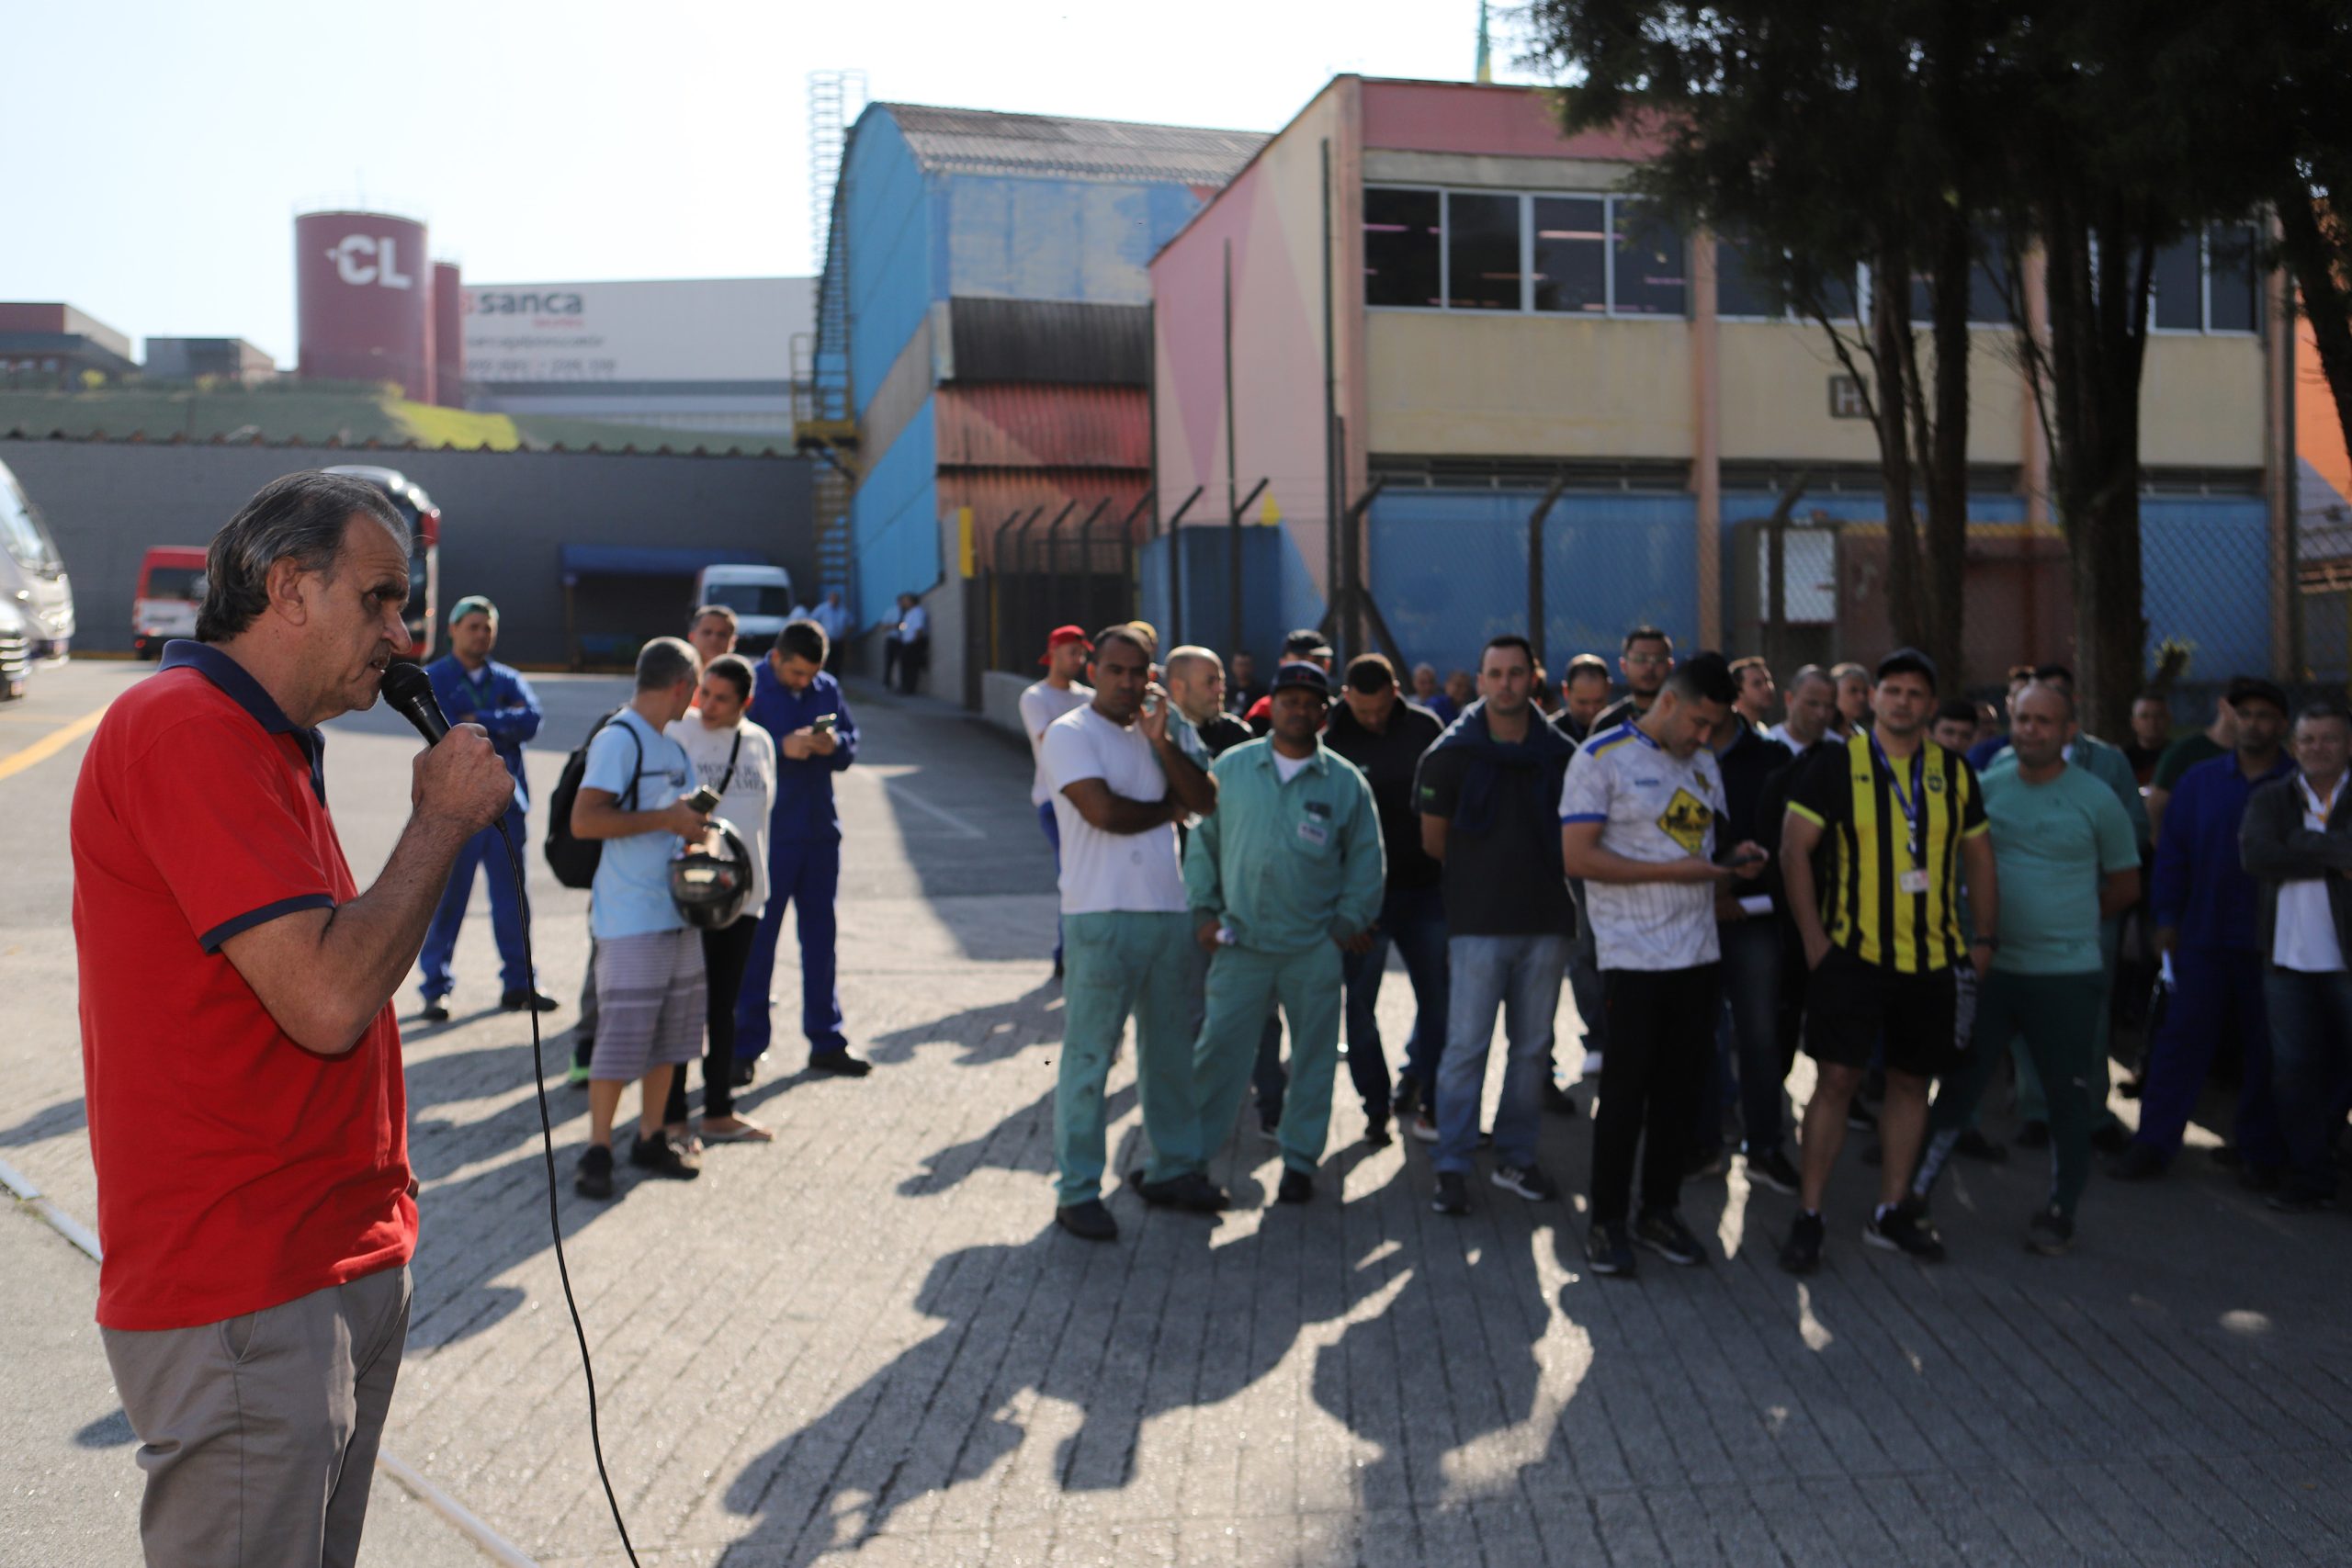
{"type": "Point", "coordinates": [1430, 248]}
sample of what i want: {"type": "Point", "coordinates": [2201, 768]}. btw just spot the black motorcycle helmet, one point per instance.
{"type": "Point", "coordinates": [710, 883]}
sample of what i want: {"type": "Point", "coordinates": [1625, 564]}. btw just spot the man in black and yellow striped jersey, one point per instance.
{"type": "Point", "coordinates": [1904, 825]}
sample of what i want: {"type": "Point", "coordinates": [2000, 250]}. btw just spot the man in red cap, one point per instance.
{"type": "Point", "coordinates": [1067, 651]}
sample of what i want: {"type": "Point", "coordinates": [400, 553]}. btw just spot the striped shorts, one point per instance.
{"type": "Point", "coordinates": [650, 1001]}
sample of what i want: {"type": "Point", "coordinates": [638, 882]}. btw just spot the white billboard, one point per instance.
{"type": "Point", "coordinates": [705, 330]}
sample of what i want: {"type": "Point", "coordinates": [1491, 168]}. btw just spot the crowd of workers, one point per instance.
{"type": "Point", "coordinates": [1921, 894]}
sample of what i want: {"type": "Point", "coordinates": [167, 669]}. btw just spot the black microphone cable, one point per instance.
{"type": "Point", "coordinates": [410, 692]}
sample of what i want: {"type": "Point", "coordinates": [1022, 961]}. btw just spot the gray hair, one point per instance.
{"type": "Point", "coordinates": [666, 662]}
{"type": "Point", "coordinates": [301, 517]}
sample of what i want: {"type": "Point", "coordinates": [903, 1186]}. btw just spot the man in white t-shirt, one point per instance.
{"type": "Point", "coordinates": [1067, 651]}
{"type": "Point", "coordinates": [736, 757]}
{"type": "Point", "coordinates": [1121, 785]}
{"type": "Point", "coordinates": [1638, 811]}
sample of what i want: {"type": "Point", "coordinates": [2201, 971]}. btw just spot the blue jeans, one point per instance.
{"type": "Point", "coordinates": [807, 875]}
{"type": "Point", "coordinates": [1751, 989]}
{"type": "Point", "coordinates": [2214, 988]}
{"type": "Point", "coordinates": [1053, 827]}
{"type": "Point", "coordinates": [1521, 975]}
{"type": "Point", "coordinates": [1412, 920]}
{"type": "Point", "coordinates": [485, 850]}
{"type": "Point", "coordinates": [1584, 978]}
{"type": "Point", "coordinates": [2311, 1036]}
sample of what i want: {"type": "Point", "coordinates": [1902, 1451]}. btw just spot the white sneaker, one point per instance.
{"type": "Point", "coordinates": [1423, 1127]}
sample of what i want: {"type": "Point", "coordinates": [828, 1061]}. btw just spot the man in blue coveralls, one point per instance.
{"type": "Point", "coordinates": [473, 688]}
{"type": "Point", "coordinates": [795, 700]}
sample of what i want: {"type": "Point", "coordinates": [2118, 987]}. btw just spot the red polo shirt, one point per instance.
{"type": "Point", "coordinates": [236, 1170]}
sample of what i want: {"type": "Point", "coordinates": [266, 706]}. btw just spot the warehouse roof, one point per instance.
{"type": "Point", "coordinates": [982, 142]}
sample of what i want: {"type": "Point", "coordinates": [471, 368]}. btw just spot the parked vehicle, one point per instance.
{"type": "Point", "coordinates": [425, 550]}
{"type": "Point", "coordinates": [32, 572]}
{"type": "Point", "coordinates": [760, 595]}
{"type": "Point", "coordinates": [16, 652]}
{"type": "Point", "coordinates": [171, 586]}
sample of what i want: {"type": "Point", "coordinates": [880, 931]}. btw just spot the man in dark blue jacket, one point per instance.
{"type": "Point", "coordinates": [2207, 913]}
{"type": "Point", "coordinates": [795, 700]}
{"type": "Point", "coordinates": [475, 689]}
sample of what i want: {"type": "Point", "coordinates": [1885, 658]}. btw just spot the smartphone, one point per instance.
{"type": "Point", "coordinates": [823, 723]}
{"type": "Point", "coordinates": [704, 800]}
{"type": "Point", "coordinates": [1747, 857]}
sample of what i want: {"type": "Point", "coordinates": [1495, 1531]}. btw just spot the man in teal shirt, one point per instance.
{"type": "Point", "coordinates": [2067, 860]}
{"type": "Point", "coordinates": [1286, 874]}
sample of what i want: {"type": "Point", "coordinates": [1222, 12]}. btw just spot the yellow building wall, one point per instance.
{"type": "Point", "coordinates": [1459, 384]}
{"type": "Point", "coordinates": [1776, 397]}
{"type": "Point", "coordinates": [2201, 403]}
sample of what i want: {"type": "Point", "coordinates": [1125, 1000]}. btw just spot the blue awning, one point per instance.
{"type": "Point", "coordinates": [638, 560]}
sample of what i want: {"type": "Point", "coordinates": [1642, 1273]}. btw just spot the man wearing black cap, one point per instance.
{"type": "Point", "coordinates": [1286, 874]}
{"type": "Point", "coordinates": [1305, 645]}
{"type": "Point", "coordinates": [1384, 735]}
{"type": "Point", "coordinates": [1902, 817]}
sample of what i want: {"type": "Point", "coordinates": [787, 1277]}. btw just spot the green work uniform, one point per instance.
{"type": "Point", "coordinates": [1291, 869]}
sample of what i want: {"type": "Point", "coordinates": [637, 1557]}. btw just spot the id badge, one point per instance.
{"type": "Point", "coordinates": [1913, 881]}
{"type": "Point", "coordinates": [1315, 833]}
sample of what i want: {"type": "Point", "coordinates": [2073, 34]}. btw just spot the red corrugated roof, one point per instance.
{"type": "Point", "coordinates": [1012, 426]}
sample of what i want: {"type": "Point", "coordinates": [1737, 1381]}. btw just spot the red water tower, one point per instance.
{"type": "Point", "coordinates": [448, 335]}
{"type": "Point", "coordinates": [363, 289]}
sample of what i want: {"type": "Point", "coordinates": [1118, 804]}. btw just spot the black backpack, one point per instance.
{"type": "Point", "coordinates": [574, 861]}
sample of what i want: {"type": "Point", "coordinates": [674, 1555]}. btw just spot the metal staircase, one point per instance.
{"type": "Point", "coordinates": [824, 423]}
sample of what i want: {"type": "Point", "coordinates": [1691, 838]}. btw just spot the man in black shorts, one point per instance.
{"type": "Point", "coordinates": [1905, 825]}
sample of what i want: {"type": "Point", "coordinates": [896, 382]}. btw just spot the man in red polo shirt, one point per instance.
{"type": "Point", "coordinates": [242, 1070]}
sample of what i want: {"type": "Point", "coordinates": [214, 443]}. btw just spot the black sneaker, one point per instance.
{"type": "Point", "coordinates": [2049, 1233]}
{"type": "Point", "coordinates": [1557, 1100]}
{"type": "Point", "coordinates": [1088, 1220]}
{"type": "Point", "coordinates": [436, 1011]}
{"type": "Point", "coordinates": [1453, 1195]}
{"type": "Point", "coordinates": [1192, 1191]}
{"type": "Point", "coordinates": [1905, 1229]}
{"type": "Point", "coordinates": [595, 1177]}
{"type": "Point", "coordinates": [1800, 1254]}
{"type": "Point", "coordinates": [1972, 1144]}
{"type": "Point", "coordinates": [1663, 1232]}
{"type": "Point", "coordinates": [1606, 1251]}
{"type": "Point", "coordinates": [1527, 1181]}
{"type": "Point", "coordinates": [1406, 1098]}
{"type": "Point", "coordinates": [841, 1064]}
{"type": "Point", "coordinates": [2141, 1162]}
{"type": "Point", "coordinates": [2033, 1134]}
{"type": "Point", "coordinates": [529, 1001]}
{"type": "Point", "coordinates": [1772, 1169]}
{"type": "Point", "coordinates": [2110, 1137]}
{"type": "Point", "coordinates": [1297, 1187]}
{"type": "Point", "coordinates": [657, 1154]}
{"type": "Point", "coordinates": [746, 1069]}
{"type": "Point", "coordinates": [1376, 1135]}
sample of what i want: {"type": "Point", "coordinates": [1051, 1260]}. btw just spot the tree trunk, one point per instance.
{"type": "Point", "coordinates": [1947, 477]}
{"type": "Point", "coordinates": [1889, 326]}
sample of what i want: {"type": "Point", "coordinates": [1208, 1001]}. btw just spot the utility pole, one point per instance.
{"type": "Point", "coordinates": [1232, 476]}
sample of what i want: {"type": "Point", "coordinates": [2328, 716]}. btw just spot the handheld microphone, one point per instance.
{"type": "Point", "coordinates": [409, 690]}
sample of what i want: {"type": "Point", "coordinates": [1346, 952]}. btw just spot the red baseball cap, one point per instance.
{"type": "Point", "coordinates": [1061, 634]}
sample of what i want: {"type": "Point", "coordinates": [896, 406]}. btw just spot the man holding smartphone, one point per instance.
{"type": "Point", "coordinates": [795, 700]}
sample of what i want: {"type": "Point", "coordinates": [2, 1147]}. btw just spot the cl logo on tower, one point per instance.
{"type": "Point", "coordinates": [361, 259]}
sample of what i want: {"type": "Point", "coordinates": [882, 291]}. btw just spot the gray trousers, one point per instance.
{"type": "Point", "coordinates": [258, 1434]}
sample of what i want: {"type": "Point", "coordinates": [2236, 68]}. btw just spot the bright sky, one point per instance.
{"type": "Point", "coordinates": [162, 149]}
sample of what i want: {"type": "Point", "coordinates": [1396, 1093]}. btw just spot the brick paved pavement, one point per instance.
{"type": "Point", "coordinates": [867, 1343]}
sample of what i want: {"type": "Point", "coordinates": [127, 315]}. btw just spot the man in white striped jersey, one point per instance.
{"type": "Point", "coordinates": [1639, 815]}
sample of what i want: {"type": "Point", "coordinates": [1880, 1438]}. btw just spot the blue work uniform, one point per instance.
{"type": "Point", "coordinates": [804, 864]}
{"type": "Point", "coordinates": [498, 698]}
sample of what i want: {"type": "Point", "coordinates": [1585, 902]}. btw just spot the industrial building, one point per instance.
{"type": "Point", "coordinates": [51, 346]}
{"type": "Point", "coordinates": [1427, 287]}
{"type": "Point", "coordinates": [218, 358]}
{"type": "Point", "coordinates": [688, 354]}
{"type": "Point", "coordinates": [984, 344]}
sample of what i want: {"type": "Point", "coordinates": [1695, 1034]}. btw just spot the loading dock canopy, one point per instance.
{"type": "Point", "coordinates": [636, 560]}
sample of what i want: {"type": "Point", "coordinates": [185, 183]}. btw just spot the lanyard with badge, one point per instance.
{"type": "Point", "coordinates": [1914, 880]}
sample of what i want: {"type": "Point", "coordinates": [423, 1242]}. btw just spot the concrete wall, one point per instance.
{"type": "Point", "coordinates": [1494, 384]}
{"type": "Point", "coordinates": [505, 518]}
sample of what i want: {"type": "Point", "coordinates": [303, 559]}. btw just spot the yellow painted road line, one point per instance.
{"type": "Point", "coordinates": [50, 745]}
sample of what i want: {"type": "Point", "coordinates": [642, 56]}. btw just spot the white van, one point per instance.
{"type": "Point", "coordinates": [761, 597]}
{"type": "Point", "coordinates": [32, 574]}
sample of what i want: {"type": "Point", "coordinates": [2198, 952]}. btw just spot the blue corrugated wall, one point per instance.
{"type": "Point", "coordinates": [1078, 240]}
{"type": "Point", "coordinates": [1277, 594]}
{"type": "Point", "coordinates": [890, 278]}
{"type": "Point", "coordinates": [894, 522]}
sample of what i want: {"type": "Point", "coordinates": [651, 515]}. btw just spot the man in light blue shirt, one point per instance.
{"type": "Point", "coordinates": [473, 688]}
{"type": "Point", "coordinates": [650, 993]}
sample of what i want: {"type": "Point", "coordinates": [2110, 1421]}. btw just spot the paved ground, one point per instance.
{"type": "Point", "coordinates": [867, 1342]}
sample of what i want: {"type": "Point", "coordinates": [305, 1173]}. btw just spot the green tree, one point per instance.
{"type": "Point", "coordinates": [1830, 138]}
